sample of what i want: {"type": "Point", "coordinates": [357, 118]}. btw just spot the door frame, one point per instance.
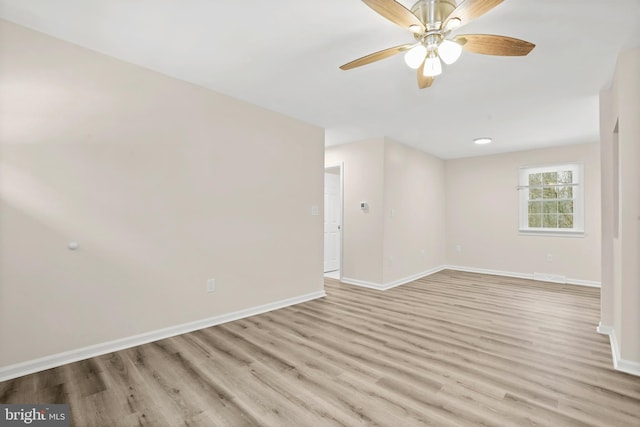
{"type": "Point", "coordinates": [340, 166]}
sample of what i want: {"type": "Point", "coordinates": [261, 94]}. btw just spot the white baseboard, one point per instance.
{"type": "Point", "coordinates": [531, 276]}
{"type": "Point", "coordinates": [547, 277]}
{"type": "Point", "coordinates": [581, 282]}
{"type": "Point", "coordinates": [54, 360]}
{"type": "Point", "coordinates": [627, 366]}
{"type": "Point", "coordinates": [619, 364]}
{"type": "Point", "coordinates": [393, 284]}
{"type": "Point", "coordinates": [489, 271]}
{"type": "Point", "coordinates": [604, 329]}
{"type": "Point", "coordinates": [409, 279]}
{"type": "Point", "coordinates": [363, 283]}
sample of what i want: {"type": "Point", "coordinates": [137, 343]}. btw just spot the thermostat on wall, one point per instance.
{"type": "Point", "coordinates": [364, 206]}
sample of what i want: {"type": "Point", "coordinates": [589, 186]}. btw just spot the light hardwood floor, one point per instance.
{"type": "Point", "coordinates": [448, 350]}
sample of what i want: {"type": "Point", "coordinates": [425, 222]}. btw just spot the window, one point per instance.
{"type": "Point", "coordinates": [551, 199]}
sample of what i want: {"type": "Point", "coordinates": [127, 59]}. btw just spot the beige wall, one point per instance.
{"type": "Point", "coordinates": [423, 208]}
{"type": "Point", "coordinates": [621, 270]}
{"type": "Point", "coordinates": [380, 246]}
{"type": "Point", "coordinates": [482, 216]}
{"type": "Point", "coordinates": [163, 184]}
{"type": "Point", "coordinates": [414, 216]}
{"type": "Point", "coordinates": [362, 231]}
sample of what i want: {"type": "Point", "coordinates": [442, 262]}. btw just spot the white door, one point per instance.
{"type": "Point", "coordinates": [332, 226]}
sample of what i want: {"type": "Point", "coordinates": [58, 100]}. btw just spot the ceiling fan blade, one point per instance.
{"type": "Point", "coordinates": [376, 56]}
{"type": "Point", "coordinates": [488, 44]}
{"type": "Point", "coordinates": [396, 13]}
{"type": "Point", "coordinates": [423, 81]}
{"type": "Point", "coordinates": [469, 10]}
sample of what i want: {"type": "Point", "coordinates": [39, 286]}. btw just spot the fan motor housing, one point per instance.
{"type": "Point", "coordinates": [432, 13]}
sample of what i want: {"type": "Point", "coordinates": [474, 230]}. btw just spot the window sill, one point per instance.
{"type": "Point", "coordinates": [552, 233]}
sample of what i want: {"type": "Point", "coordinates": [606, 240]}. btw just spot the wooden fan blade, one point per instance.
{"type": "Point", "coordinates": [396, 13]}
{"type": "Point", "coordinates": [488, 44]}
{"type": "Point", "coordinates": [469, 10]}
{"type": "Point", "coordinates": [423, 81]}
{"type": "Point", "coordinates": [376, 56]}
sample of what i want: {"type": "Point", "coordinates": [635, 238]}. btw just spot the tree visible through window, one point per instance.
{"type": "Point", "coordinates": [551, 198]}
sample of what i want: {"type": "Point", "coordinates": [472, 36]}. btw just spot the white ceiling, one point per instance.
{"type": "Point", "coordinates": [284, 55]}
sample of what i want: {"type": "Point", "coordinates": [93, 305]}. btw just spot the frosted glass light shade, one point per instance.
{"type": "Point", "coordinates": [432, 66]}
{"type": "Point", "coordinates": [452, 24]}
{"type": "Point", "coordinates": [449, 51]}
{"type": "Point", "coordinates": [415, 56]}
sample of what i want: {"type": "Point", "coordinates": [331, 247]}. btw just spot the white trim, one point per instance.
{"type": "Point", "coordinates": [581, 282]}
{"type": "Point", "coordinates": [548, 277]}
{"type": "Point", "coordinates": [549, 233]}
{"type": "Point", "coordinates": [615, 350]}
{"type": "Point", "coordinates": [409, 279]}
{"type": "Point", "coordinates": [488, 271]}
{"type": "Point", "coordinates": [530, 276]}
{"type": "Point", "coordinates": [393, 284]}
{"type": "Point", "coordinates": [619, 364]}
{"type": "Point", "coordinates": [54, 360]}
{"type": "Point", "coordinates": [363, 283]}
{"type": "Point", "coordinates": [339, 165]}
{"type": "Point", "coordinates": [604, 329]}
{"type": "Point", "coordinates": [578, 229]}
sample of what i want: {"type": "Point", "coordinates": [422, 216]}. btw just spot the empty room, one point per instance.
{"type": "Point", "coordinates": [451, 189]}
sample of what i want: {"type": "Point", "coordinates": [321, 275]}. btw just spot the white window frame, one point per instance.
{"type": "Point", "coordinates": [577, 169]}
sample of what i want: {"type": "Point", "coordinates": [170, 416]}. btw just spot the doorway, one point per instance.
{"type": "Point", "coordinates": [333, 221]}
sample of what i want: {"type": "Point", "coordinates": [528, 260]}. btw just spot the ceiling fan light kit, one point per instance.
{"type": "Point", "coordinates": [432, 65]}
{"type": "Point", "coordinates": [415, 56]}
{"type": "Point", "coordinates": [431, 21]}
{"type": "Point", "coordinates": [449, 51]}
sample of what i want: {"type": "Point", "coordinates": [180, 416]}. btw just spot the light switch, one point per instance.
{"type": "Point", "coordinates": [315, 211]}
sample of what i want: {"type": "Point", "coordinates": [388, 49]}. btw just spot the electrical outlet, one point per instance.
{"type": "Point", "coordinates": [459, 248]}
{"type": "Point", "coordinates": [211, 285]}
{"type": "Point", "coordinates": [549, 257]}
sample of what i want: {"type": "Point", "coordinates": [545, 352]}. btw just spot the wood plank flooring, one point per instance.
{"type": "Point", "coordinates": [452, 349]}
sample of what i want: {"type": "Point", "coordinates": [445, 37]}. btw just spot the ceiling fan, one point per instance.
{"type": "Point", "coordinates": [431, 21]}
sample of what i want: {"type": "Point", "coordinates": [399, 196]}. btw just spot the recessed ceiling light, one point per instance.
{"type": "Point", "coordinates": [482, 141]}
